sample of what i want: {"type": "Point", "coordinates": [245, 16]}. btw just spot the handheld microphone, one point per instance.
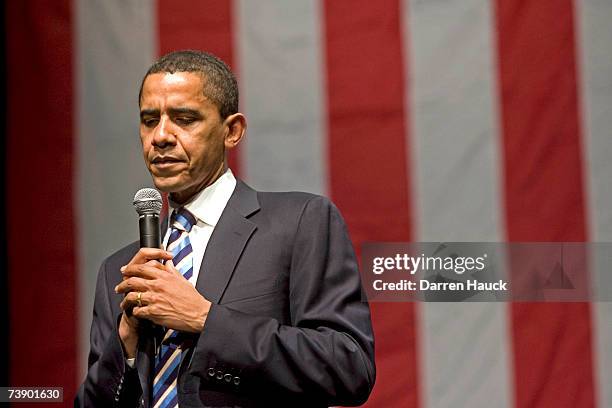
{"type": "Point", "coordinates": [148, 204]}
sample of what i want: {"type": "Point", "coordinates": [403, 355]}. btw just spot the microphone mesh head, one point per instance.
{"type": "Point", "coordinates": [147, 201]}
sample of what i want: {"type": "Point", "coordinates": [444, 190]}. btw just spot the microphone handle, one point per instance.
{"type": "Point", "coordinates": [149, 231]}
{"type": "Point", "coordinates": [149, 238]}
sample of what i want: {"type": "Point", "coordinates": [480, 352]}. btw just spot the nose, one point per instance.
{"type": "Point", "coordinates": [164, 133]}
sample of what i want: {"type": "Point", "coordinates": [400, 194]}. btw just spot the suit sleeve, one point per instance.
{"type": "Point", "coordinates": [328, 350]}
{"type": "Point", "coordinates": [109, 382]}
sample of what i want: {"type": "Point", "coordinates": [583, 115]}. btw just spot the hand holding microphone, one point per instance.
{"type": "Point", "coordinates": [156, 291]}
{"type": "Point", "coordinates": [148, 204]}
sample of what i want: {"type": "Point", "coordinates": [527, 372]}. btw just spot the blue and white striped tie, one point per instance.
{"type": "Point", "coordinates": [168, 359]}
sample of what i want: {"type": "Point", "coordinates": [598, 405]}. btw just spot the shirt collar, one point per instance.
{"type": "Point", "coordinates": [208, 205]}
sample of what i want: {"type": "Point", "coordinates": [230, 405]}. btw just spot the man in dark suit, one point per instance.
{"type": "Point", "coordinates": [257, 301]}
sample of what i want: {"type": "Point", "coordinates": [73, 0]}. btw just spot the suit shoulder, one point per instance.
{"type": "Point", "coordinates": [293, 200]}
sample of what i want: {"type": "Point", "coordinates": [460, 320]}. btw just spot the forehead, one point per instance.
{"type": "Point", "coordinates": [176, 88]}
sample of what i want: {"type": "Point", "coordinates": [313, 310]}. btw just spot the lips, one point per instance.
{"type": "Point", "coordinates": [163, 162]}
{"type": "Point", "coordinates": [165, 159]}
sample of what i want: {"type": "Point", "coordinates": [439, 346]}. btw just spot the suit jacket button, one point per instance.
{"type": "Point", "coordinates": [219, 375]}
{"type": "Point", "coordinates": [227, 378]}
{"type": "Point", "coordinates": [236, 380]}
{"type": "Point", "coordinates": [211, 372]}
{"type": "Point", "coordinates": [116, 398]}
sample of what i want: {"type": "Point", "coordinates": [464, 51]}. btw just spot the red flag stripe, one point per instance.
{"type": "Point", "coordinates": [203, 25]}
{"type": "Point", "coordinates": [368, 169]}
{"type": "Point", "coordinates": [544, 192]}
{"type": "Point", "coordinates": [40, 192]}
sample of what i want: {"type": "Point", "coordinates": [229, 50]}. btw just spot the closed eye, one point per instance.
{"type": "Point", "coordinates": [149, 122]}
{"type": "Point", "coordinates": [184, 116]}
{"type": "Point", "coordinates": [184, 120]}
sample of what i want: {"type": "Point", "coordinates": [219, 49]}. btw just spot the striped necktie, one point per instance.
{"type": "Point", "coordinates": [169, 356]}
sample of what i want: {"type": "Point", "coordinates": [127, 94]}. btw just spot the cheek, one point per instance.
{"type": "Point", "coordinates": [199, 157]}
{"type": "Point", "coordinates": [144, 142]}
{"type": "Point", "coordinates": [145, 150]}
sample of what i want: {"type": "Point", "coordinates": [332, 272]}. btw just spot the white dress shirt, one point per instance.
{"type": "Point", "coordinates": [206, 207]}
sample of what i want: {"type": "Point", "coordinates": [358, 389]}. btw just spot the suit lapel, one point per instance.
{"type": "Point", "coordinates": [227, 242]}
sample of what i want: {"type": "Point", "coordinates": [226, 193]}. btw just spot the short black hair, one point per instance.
{"type": "Point", "coordinates": [220, 84]}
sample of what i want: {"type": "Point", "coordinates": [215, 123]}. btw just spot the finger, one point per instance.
{"type": "Point", "coordinates": [148, 254]}
{"type": "Point", "coordinates": [130, 319]}
{"type": "Point", "coordinates": [156, 264]}
{"type": "Point", "coordinates": [133, 284]}
{"type": "Point", "coordinates": [132, 300]}
{"type": "Point", "coordinates": [141, 271]}
{"type": "Point", "coordinates": [142, 312]}
{"type": "Point", "coordinates": [126, 305]}
{"type": "Point", "coordinates": [171, 268]}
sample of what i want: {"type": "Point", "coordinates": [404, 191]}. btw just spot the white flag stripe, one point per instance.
{"type": "Point", "coordinates": [454, 122]}
{"type": "Point", "coordinates": [602, 327]}
{"type": "Point", "coordinates": [465, 347]}
{"type": "Point", "coordinates": [115, 43]}
{"type": "Point", "coordinates": [595, 33]}
{"type": "Point", "coordinates": [279, 58]}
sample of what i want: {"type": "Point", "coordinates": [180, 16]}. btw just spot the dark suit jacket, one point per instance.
{"type": "Point", "coordinates": [287, 326]}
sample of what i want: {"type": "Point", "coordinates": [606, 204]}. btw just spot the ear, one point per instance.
{"type": "Point", "coordinates": [236, 127]}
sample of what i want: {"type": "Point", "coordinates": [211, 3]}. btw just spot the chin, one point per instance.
{"type": "Point", "coordinates": [166, 186]}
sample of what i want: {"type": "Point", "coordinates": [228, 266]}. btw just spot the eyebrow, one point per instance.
{"type": "Point", "coordinates": [184, 111]}
{"type": "Point", "coordinates": [172, 111]}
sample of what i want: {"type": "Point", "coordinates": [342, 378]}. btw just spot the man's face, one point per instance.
{"type": "Point", "coordinates": [182, 134]}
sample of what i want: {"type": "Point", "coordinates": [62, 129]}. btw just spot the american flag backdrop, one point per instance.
{"type": "Point", "coordinates": [423, 120]}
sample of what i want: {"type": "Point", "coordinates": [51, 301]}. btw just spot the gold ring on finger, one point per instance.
{"type": "Point", "coordinates": [139, 299]}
